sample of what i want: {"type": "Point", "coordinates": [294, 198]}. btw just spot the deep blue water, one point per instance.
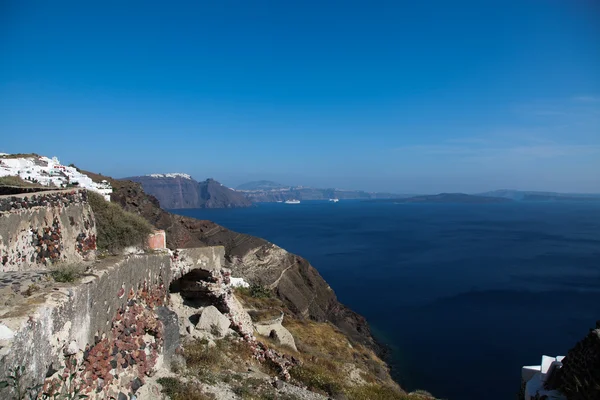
{"type": "Point", "coordinates": [464, 295]}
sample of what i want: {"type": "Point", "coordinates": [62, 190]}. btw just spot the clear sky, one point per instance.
{"type": "Point", "coordinates": [404, 96]}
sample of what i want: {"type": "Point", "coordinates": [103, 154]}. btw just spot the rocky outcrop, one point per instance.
{"type": "Point", "coordinates": [579, 377]}
{"type": "Point", "coordinates": [181, 191]}
{"type": "Point", "coordinates": [212, 321]}
{"type": "Point", "coordinates": [277, 332]}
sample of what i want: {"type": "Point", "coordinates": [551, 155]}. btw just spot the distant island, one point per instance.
{"type": "Point", "coordinates": [541, 196]}
{"type": "Point", "coordinates": [268, 191]}
{"type": "Point", "coordinates": [447, 198]}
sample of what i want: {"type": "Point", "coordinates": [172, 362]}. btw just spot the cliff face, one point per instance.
{"type": "Point", "coordinates": [181, 191]}
{"type": "Point", "coordinates": [294, 280]}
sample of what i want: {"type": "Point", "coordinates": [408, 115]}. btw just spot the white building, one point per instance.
{"type": "Point", "coordinates": [50, 172]}
{"type": "Point", "coordinates": [536, 378]}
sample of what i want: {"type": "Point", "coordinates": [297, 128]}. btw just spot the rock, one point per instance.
{"type": "Point", "coordinates": [136, 384]}
{"type": "Point", "coordinates": [231, 332]}
{"type": "Point", "coordinates": [202, 335]}
{"type": "Point", "coordinates": [170, 332]}
{"type": "Point", "coordinates": [278, 333]}
{"type": "Point", "coordinates": [213, 321]}
{"type": "Point", "coordinates": [51, 370]}
{"type": "Point", "coordinates": [241, 318]}
{"type": "Point", "coordinates": [278, 384]}
{"type": "Point", "coordinates": [122, 396]}
{"type": "Point", "coordinates": [71, 349]}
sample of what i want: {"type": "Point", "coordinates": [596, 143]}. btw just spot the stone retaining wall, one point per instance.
{"type": "Point", "coordinates": [108, 322]}
{"type": "Point", "coordinates": [39, 229]}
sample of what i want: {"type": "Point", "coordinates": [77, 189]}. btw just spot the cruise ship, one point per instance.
{"type": "Point", "coordinates": [292, 202]}
{"type": "Point", "coordinates": [334, 200]}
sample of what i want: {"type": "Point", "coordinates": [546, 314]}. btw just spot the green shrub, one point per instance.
{"type": "Point", "coordinates": [317, 377]}
{"type": "Point", "coordinates": [377, 392]}
{"type": "Point", "coordinates": [255, 291]}
{"type": "Point", "coordinates": [116, 227]}
{"type": "Point", "coordinates": [67, 272]}
{"type": "Point", "coordinates": [178, 390]}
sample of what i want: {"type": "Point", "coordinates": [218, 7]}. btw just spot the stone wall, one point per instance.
{"type": "Point", "coordinates": [206, 258]}
{"type": "Point", "coordinates": [580, 375]}
{"type": "Point", "coordinates": [112, 323]}
{"type": "Point", "coordinates": [39, 229]}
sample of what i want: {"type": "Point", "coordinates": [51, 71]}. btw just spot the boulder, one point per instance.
{"type": "Point", "coordinates": [278, 333]}
{"type": "Point", "coordinates": [211, 320]}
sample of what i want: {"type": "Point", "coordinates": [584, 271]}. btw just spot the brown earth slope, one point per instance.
{"type": "Point", "coordinates": [294, 280]}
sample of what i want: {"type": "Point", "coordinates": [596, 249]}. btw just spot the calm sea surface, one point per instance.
{"type": "Point", "coordinates": [464, 295]}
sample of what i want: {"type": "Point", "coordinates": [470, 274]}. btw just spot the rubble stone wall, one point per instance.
{"type": "Point", "coordinates": [107, 321]}
{"type": "Point", "coordinates": [39, 229]}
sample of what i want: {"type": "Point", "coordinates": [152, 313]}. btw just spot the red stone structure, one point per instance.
{"type": "Point", "coordinates": [157, 240]}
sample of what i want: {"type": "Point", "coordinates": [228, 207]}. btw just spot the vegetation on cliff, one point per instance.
{"type": "Point", "coordinates": [117, 228]}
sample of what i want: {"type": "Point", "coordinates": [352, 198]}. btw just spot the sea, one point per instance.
{"type": "Point", "coordinates": [463, 295]}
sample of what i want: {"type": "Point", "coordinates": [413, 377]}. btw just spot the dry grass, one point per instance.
{"type": "Point", "coordinates": [326, 353]}
{"type": "Point", "coordinates": [208, 362]}
{"type": "Point", "coordinates": [377, 392]}
{"type": "Point", "coordinates": [16, 181]}
{"type": "Point", "coordinates": [326, 358]}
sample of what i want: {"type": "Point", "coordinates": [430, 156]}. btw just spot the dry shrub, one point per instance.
{"type": "Point", "coordinates": [67, 273]}
{"type": "Point", "coordinates": [116, 227]}
{"type": "Point", "coordinates": [178, 390]}
{"type": "Point", "coordinates": [377, 392]}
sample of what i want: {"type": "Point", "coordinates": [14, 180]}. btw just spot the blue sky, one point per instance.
{"type": "Point", "coordinates": [404, 96]}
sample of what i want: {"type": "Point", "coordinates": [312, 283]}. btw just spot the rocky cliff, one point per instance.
{"type": "Point", "coordinates": [295, 281]}
{"type": "Point", "coordinates": [182, 191]}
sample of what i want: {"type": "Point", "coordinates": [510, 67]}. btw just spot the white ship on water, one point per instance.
{"type": "Point", "coordinates": [334, 200]}
{"type": "Point", "coordinates": [292, 201]}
